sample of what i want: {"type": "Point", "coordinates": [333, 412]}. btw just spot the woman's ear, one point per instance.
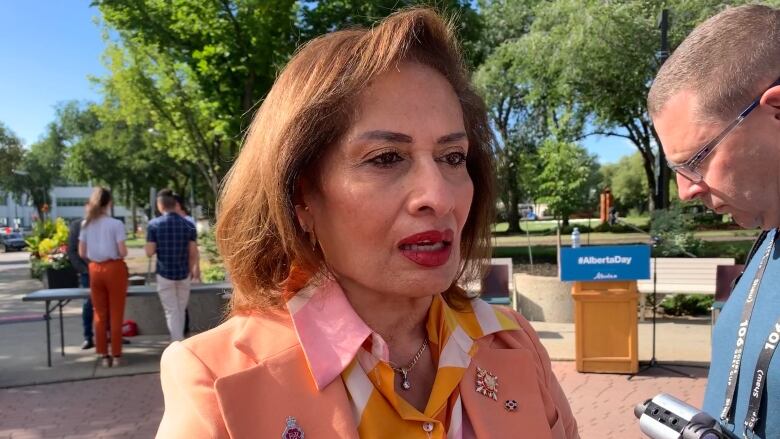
{"type": "Point", "coordinates": [302, 210]}
{"type": "Point", "coordinates": [305, 219]}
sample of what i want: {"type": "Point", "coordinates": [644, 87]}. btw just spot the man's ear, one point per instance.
{"type": "Point", "coordinates": [771, 98]}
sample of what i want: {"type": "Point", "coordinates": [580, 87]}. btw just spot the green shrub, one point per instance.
{"type": "Point", "coordinates": [687, 304]}
{"type": "Point", "coordinates": [213, 273]}
{"type": "Point", "coordinates": [209, 244]}
{"type": "Point", "coordinates": [676, 232]}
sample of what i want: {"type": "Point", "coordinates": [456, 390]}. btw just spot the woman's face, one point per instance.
{"type": "Point", "coordinates": [393, 195]}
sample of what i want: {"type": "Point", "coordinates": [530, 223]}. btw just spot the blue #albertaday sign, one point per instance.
{"type": "Point", "coordinates": [600, 263]}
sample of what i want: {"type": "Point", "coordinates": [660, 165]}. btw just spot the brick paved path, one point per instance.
{"type": "Point", "coordinates": [131, 407]}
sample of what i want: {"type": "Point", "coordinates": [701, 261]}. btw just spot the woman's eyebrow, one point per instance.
{"type": "Point", "coordinates": [454, 137]}
{"type": "Point", "coordinates": [392, 136]}
{"type": "Point", "coordinates": [386, 135]}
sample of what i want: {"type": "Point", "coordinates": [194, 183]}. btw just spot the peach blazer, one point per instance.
{"type": "Point", "coordinates": [244, 378]}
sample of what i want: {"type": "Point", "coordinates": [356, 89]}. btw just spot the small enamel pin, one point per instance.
{"type": "Point", "coordinates": [293, 431]}
{"type": "Point", "coordinates": [487, 383]}
{"type": "Point", "coordinates": [510, 405]}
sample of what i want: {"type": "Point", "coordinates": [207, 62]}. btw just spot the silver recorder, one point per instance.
{"type": "Point", "coordinates": [666, 417]}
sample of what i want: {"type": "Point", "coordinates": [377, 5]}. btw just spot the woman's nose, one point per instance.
{"type": "Point", "coordinates": [430, 189]}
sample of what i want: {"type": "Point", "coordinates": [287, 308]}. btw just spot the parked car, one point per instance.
{"type": "Point", "coordinates": [11, 241]}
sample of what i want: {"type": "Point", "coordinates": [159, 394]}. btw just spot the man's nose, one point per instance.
{"type": "Point", "coordinates": [688, 190]}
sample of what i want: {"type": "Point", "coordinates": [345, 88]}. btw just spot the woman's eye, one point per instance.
{"type": "Point", "coordinates": [455, 159]}
{"type": "Point", "coordinates": [386, 159]}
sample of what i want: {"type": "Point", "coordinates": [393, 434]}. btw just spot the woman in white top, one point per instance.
{"type": "Point", "coordinates": [102, 243]}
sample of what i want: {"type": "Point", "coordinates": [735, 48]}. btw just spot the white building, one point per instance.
{"type": "Point", "coordinates": [67, 202]}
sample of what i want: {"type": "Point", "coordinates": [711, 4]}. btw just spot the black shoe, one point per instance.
{"type": "Point", "coordinates": [125, 341]}
{"type": "Point", "coordinates": [88, 344]}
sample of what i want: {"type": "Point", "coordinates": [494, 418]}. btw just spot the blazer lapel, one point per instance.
{"type": "Point", "coordinates": [257, 402]}
{"type": "Point", "coordinates": [516, 373]}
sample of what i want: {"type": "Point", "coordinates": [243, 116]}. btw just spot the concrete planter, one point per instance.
{"type": "Point", "coordinates": [544, 298]}
{"type": "Point", "coordinates": [206, 311]}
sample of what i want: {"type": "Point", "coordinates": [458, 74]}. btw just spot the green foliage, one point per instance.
{"type": "Point", "coordinates": [209, 244]}
{"type": "Point", "coordinates": [627, 182]}
{"type": "Point", "coordinates": [596, 59]}
{"type": "Point", "coordinates": [11, 156]}
{"type": "Point", "coordinates": [687, 304]}
{"type": "Point", "coordinates": [214, 273]}
{"type": "Point", "coordinates": [48, 246]}
{"type": "Point", "coordinates": [676, 232]}
{"type": "Point", "coordinates": [565, 196]}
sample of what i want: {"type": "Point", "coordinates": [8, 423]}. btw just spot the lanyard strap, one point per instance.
{"type": "Point", "coordinates": [747, 313]}
{"type": "Point", "coordinates": [760, 377]}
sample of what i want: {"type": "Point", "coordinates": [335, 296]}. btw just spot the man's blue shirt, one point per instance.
{"type": "Point", "coordinates": [172, 234]}
{"type": "Point", "coordinates": [724, 339]}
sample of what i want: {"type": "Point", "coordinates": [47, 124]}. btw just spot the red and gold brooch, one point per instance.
{"type": "Point", "coordinates": [487, 383]}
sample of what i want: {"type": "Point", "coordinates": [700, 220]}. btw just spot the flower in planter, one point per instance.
{"type": "Point", "coordinates": [48, 246]}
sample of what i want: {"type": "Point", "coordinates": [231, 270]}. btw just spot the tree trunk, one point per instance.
{"type": "Point", "coordinates": [650, 175]}
{"type": "Point", "coordinates": [133, 208]}
{"type": "Point", "coordinates": [512, 212]}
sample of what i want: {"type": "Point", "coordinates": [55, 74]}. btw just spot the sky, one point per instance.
{"type": "Point", "coordinates": [49, 48]}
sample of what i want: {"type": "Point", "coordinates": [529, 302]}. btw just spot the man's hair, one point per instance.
{"type": "Point", "coordinates": [166, 198]}
{"type": "Point", "coordinates": [726, 61]}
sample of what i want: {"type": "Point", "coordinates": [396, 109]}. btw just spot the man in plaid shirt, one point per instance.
{"type": "Point", "coordinates": [174, 240]}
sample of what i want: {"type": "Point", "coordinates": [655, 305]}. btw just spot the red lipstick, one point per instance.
{"type": "Point", "coordinates": [431, 248]}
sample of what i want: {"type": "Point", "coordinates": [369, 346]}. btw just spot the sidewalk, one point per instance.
{"type": "Point", "coordinates": [131, 406]}
{"type": "Point", "coordinates": [86, 401]}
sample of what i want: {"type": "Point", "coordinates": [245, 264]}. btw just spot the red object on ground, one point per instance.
{"type": "Point", "coordinates": [129, 328]}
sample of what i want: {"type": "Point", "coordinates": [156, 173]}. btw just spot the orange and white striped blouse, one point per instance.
{"type": "Point", "coordinates": [337, 343]}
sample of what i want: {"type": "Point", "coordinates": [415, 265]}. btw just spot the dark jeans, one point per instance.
{"type": "Point", "coordinates": [86, 310]}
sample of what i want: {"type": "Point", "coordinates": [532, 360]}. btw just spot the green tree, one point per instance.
{"type": "Point", "coordinates": [567, 178]}
{"type": "Point", "coordinates": [598, 59]}
{"type": "Point", "coordinates": [321, 17]}
{"type": "Point", "coordinates": [41, 169]}
{"type": "Point", "coordinates": [11, 157]}
{"type": "Point", "coordinates": [519, 127]}
{"type": "Point", "coordinates": [196, 70]}
{"type": "Point", "coordinates": [626, 181]}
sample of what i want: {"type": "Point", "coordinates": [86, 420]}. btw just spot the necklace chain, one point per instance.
{"type": "Point", "coordinates": [404, 371]}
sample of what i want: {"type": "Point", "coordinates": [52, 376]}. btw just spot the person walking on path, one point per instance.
{"type": "Point", "coordinates": [715, 105]}
{"type": "Point", "coordinates": [102, 243]}
{"type": "Point", "coordinates": [82, 268]}
{"type": "Point", "coordinates": [174, 240]}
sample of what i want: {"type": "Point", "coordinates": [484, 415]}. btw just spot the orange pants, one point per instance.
{"type": "Point", "coordinates": [108, 288]}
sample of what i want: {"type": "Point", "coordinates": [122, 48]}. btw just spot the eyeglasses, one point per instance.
{"type": "Point", "coordinates": [690, 168]}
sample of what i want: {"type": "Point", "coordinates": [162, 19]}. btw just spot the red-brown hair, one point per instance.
{"type": "Point", "coordinates": [308, 109]}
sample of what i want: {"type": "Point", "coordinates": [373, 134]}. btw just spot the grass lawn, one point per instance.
{"type": "Point", "coordinates": [135, 242]}
{"type": "Point", "coordinates": [549, 225]}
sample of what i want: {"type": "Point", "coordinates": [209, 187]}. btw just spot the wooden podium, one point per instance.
{"type": "Point", "coordinates": [605, 326]}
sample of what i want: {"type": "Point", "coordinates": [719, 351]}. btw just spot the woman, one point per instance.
{"type": "Point", "coordinates": [364, 193]}
{"type": "Point", "coordinates": [102, 243]}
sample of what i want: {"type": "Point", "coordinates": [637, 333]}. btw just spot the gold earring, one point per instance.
{"type": "Point", "coordinates": [313, 240]}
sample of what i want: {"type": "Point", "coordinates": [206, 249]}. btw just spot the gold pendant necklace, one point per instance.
{"type": "Point", "coordinates": [404, 371]}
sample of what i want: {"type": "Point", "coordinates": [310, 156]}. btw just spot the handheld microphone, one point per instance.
{"type": "Point", "coordinates": [666, 417]}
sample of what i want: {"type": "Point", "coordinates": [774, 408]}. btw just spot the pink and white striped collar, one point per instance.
{"type": "Point", "coordinates": [331, 333]}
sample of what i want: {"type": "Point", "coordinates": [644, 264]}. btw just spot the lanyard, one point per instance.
{"type": "Point", "coordinates": [747, 313]}
{"type": "Point", "coordinates": [760, 377]}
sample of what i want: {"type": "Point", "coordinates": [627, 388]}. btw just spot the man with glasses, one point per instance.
{"type": "Point", "coordinates": [715, 105]}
